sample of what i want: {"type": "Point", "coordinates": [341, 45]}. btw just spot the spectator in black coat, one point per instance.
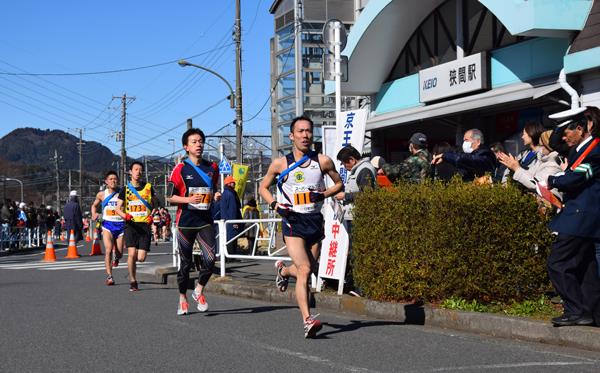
{"type": "Point", "coordinates": [231, 209]}
{"type": "Point", "coordinates": [73, 216]}
{"type": "Point", "coordinates": [475, 161]}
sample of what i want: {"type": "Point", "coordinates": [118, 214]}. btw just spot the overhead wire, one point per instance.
{"type": "Point", "coordinates": [113, 71]}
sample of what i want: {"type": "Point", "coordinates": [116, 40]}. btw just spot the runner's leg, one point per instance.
{"type": "Point", "coordinates": [301, 270]}
{"type": "Point", "coordinates": [131, 259]}
{"type": "Point", "coordinates": [206, 239]}
{"type": "Point", "coordinates": [107, 240]}
{"type": "Point", "coordinates": [185, 241]}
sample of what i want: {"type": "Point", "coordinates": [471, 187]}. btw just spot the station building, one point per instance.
{"type": "Point", "coordinates": [443, 66]}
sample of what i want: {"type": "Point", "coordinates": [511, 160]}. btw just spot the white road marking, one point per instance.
{"type": "Point", "coordinates": [506, 366]}
{"type": "Point", "coordinates": [77, 265]}
{"type": "Point", "coordinates": [313, 358]}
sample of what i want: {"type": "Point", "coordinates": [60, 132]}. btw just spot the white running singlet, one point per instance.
{"type": "Point", "coordinates": [109, 212]}
{"type": "Point", "coordinates": [300, 182]}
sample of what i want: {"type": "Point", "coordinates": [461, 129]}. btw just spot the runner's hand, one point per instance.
{"type": "Point", "coordinates": [149, 219]}
{"type": "Point", "coordinates": [128, 217]}
{"type": "Point", "coordinates": [283, 209]}
{"type": "Point", "coordinates": [195, 198]}
{"type": "Point", "coordinates": [317, 197]}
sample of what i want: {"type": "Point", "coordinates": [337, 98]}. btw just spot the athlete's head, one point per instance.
{"type": "Point", "coordinates": [193, 141]}
{"type": "Point", "coordinates": [136, 169]}
{"type": "Point", "coordinates": [111, 179]}
{"type": "Point", "coordinates": [301, 133]}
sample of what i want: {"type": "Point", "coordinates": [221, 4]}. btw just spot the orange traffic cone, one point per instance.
{"type": "Point", "coordinates": [50, 255]}
{"type": "Point", "coordinates": [72, 248]}
{"type": "Point", "coordinates": [96, 249]}
{"type": "Point", "coordinates": [87, 236]}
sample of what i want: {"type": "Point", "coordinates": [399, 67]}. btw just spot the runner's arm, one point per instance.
{"type": "Point", "coordinates": [268, 180]}
{"type": "Point", "coordinates": [329, 168]}
{"type": "Point", "coordinates": [93, 210]}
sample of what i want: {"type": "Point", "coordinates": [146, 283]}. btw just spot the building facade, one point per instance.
{"type": "Point", "coordinates": [444, 66]}
{"type": "Point", "coordinates": [308, 97]}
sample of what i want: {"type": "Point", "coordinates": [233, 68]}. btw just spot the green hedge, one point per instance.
{"type": "Point", "coordinates": [434, 241]}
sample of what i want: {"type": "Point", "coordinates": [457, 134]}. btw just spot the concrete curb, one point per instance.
{"type": "Point", "coordinates": [481, 323]}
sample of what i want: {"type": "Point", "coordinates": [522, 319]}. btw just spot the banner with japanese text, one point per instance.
{"type": "Point", "coordinates": [334, 248]}
{"type": "Point", "coordinates": [350, 130]}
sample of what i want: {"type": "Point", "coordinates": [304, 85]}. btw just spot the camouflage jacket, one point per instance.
{"type": "Point", "coordinates": [414, 169]}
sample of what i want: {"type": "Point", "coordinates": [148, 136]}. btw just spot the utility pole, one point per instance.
{"type": "Point", "coordinates": [81, 164]}
{"type": "Point", "coordinates": [69, 186]}
{"type": "Point", "coordinates": [55, 159]}
{"type": "Point", "coordinates": [124, 98]}
{"type": "Point", "coordinates": [189, 123]}
{"type": "Point", "coordinates": [238, 82]}
{"type": "Point", "coordinates": [146, 167]}
{"type": "Point", "coordinates": [298, 56]}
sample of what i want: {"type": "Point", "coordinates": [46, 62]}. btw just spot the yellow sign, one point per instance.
{"type": "Point", "coordinates": [240, 174]}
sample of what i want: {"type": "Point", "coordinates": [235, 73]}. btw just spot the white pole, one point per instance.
{"type": "Point", "coordinates": [298, 57]}
{"type": "Point", "coordinates": [222, 153]}
{"type": "Point", "coordinates": [338, 71]}
{"type": "Point", "coordinates": [222, 244]}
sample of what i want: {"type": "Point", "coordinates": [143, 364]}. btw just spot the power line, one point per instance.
{"type": "Point", "coordinates": [108, 71]}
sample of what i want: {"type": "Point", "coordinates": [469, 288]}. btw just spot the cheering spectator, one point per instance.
{"type": "Point", "coordinates": [475, 161]}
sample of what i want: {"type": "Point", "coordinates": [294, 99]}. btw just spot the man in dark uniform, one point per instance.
{"type": "Point", "coordinates": [571, 265]}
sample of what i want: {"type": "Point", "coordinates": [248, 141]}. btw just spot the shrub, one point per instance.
{"type": "Point", "coordinates": [434, 241]}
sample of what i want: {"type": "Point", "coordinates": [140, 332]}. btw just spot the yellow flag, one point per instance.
{"type": "Point", "coordinates": [240, 174]}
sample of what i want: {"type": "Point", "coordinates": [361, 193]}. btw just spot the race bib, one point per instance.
{"type": "Point", "coordinates": [302, 201]}
{"type": "Point", "coordinates": [137, 209]}
{"type": "Point", "coordinates": [205, 193]}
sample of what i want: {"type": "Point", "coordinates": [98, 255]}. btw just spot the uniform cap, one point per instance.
{"type": "Point", "coordinates": [418, 139]}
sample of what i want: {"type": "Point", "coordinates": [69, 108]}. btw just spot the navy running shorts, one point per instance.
{"type": "Point", "coordinates": [309, 227]}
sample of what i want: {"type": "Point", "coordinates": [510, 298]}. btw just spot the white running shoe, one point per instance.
{"type": "Point", "coordinates": [182, 309]}
{"type": "Point", "coordinates": [201, 300]}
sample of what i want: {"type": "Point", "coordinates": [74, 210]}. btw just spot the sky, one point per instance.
{"type": "Point", "coordinates": [74, 37]}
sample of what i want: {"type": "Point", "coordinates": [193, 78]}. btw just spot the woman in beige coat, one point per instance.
{"type": "Point", "coordinates": [547, 163]}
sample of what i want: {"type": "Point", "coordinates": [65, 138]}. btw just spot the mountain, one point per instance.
{"type": "Point", "coordinates": [32, 146]}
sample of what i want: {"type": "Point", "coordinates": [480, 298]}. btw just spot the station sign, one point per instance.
{"type": "Point", "coordinates": [466, 75]}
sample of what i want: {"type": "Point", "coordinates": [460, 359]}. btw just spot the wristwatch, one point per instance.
{"type": "Point", "coordinates": [273, 205]}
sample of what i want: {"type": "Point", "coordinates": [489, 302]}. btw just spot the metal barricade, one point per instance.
{"type": "Point", "coordinates": [17, 238]}
{"type": "Point", "coordinates": [272, 252]}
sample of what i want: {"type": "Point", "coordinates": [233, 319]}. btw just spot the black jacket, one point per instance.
{"type": "Point", "coordinates": [472, 165]}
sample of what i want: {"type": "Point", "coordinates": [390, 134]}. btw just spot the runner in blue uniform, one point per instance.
{"type": "Point", "coordinates": [113, 226]}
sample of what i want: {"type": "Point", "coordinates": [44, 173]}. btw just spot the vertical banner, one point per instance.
{"type": "Point", "coordinates": [350, 130]}
{"type": "Point", "coordinates": [240, 174]}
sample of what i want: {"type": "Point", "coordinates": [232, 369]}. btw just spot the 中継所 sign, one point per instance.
{"type": "Point", "coordinates": [465, 75]}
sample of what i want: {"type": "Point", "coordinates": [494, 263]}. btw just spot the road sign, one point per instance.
{"type": "Point", "coordinates": [329, 34]}
{"type": "Point", "coordinates": [225, 167]}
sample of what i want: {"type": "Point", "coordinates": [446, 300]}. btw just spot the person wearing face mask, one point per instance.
{"type": "Point", "coordinates": [475, 161]}
{"type": "Point", "coordinates": [416, 167]}
{"type": "Point", "coordinates": [572, 266]}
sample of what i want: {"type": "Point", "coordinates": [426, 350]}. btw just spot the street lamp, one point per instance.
{"type": "Point", "coordinates": [184, 63]}
{"type": "Point", "coordinates": [18, 181]}
{"type": "Point", "coordinates": [232, 104]}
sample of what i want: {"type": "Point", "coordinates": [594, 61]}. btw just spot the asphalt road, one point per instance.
{"type": "Point", "coordinates": [66, 319]}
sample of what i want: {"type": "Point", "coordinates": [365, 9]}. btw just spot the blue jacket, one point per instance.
{"type": "Point", "coordinates": [581, 196]}
{"type": "Point", "coordinates": [472, 165]}
{"type": "Point", "coordinates": [231, 208]}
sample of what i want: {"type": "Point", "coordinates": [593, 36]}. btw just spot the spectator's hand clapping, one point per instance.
{"type": "Point", "coordinates": [508, 160]}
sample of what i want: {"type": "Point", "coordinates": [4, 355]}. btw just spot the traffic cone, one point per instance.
{"type": "Point", "coordinates": [72, 249]}
{"type": "Point", "coordinates": [96, 249]}
{"type": "Point", "coordinates": [87, 236]}
{"type": "Point", "coordinates": [50, 255]}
